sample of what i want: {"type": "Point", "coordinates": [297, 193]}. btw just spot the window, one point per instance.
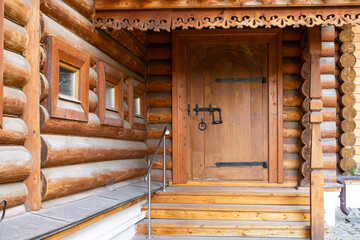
{"type": "Point", "coordinates": [110, 94]}
{"type": "Point", "coordinates": [68, 80]}
{"type": "Point", "coordinates": [137, 110]}
{"type": "Point", "coordinates": [67, 70]}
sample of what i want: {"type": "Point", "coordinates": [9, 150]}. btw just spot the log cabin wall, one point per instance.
{"type": "Point", "coordinates": [357, 96]}
{"type": "Point", "coordinates": [15, 160]}
{"type": "Point", "coordinates": [77, 156]}
{"type": "Point", "coordinates": [159, 98]}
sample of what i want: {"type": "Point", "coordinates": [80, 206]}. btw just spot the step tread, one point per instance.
{"type": "Point", "coordinates": [264, 191]}
{"type": "Point", "coordinates": [226, 224]}
{"type": "Point", "coordinates": [229, 207]}
{"type": "Point", "coordinates": [183, 237]}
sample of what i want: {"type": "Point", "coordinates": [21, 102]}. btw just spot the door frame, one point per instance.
{"type": "Point", "coordinates": [180, 39]}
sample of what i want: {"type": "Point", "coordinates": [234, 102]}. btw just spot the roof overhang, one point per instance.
{"type": "Point", "coordinates": [240, 17]}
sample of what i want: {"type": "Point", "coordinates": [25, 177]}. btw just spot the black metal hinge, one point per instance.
{"type": "Point", "coordinates": [237, 164]}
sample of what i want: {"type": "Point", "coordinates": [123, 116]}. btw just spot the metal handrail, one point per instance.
{"type": "Point", "coordinates": [148, 176]}
{"type": "Point", "coordinates": [4, 210]}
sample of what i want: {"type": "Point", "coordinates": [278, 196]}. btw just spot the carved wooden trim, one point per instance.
{"type": "Point", "coordinates": [347, 139]}
{"type": "Point", "coordinates": [305, 137]}
{"type": "Point", "coordinates": [159, 19]}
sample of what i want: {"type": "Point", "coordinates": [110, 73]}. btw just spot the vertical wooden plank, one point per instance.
{"type": "Point", "coordinates": [280, 109]}
{"type": "Point", "coordinates": [1, 59]}
{"type": "Point", "coordinates": [131, 101]}
{"type": "Point", "coordinates": [31, 114]}
{"type": "Point", "coordinates": [100, 90]}
{"type": "Point", "coordinates": [179, 110]}
{"type": "Point", "coordinates": [316, 176]}
{"type": "Point", "coordinates": [317, 210]}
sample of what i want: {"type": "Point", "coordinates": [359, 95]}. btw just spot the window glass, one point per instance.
{"type": "Point", "coordinates": [137, 105]}
{"type": "Point", "coordinates": [67, 80]}
{"type": "Point", "coordinates": [110, 95]}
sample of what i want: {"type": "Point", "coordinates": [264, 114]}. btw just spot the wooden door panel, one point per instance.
{"type": "Point", "coordinates": [243, 135]}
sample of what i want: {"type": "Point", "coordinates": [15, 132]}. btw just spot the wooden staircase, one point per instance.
{"type": "Point", "coordinates": [229, 212]}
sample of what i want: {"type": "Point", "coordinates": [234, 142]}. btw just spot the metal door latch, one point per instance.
{"type": "Point", "coordinates": [211, 111]}
{"type": "Point", "coordinates": [202, 125]}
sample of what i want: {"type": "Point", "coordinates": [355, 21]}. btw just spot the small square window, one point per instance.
{"type": "Point", "coordinates": [136, 102]}
{"type": "Point", "coordinates": [110, 94]}
{"type": "Point", "coordinates": [67, 70]}
{"type": "Point", "coordinates": [68, 80]}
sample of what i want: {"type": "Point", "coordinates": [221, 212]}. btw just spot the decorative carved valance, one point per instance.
{"type": "Point", "coordinates": [226, 18]}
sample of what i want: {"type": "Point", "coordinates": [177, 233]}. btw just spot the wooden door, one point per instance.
{"type": "Point", "coordinates": [216, 75]}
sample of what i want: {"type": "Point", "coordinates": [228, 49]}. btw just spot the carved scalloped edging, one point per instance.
{"type": "Point", "coordinates": [167, 20]}
{"type": "Point", "coordinates": [347, 139]}
{"type": "Point", "coordinates": [305, 137]}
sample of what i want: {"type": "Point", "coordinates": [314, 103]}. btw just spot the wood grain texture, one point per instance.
{"type": "Point", "coordinates": [13, 131]}
{"type": "Point", "coordinates": [18, 10]}
{"type": "Point", "coordinates": [16, 38]}
{"type": "Point", "coordinates": [16, 163]}
{"type": "Point", "coordinates": [16, 69]}
{"type": "Point", "coordinates": [15, 194]}
{"type": "Point", "coordinates": [66, 180]}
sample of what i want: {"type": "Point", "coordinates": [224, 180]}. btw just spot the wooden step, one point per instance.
{"type": "Point", "coordinates": [229, 212]}
{"type": "Point", "coordinates": [233, 195]}
{"type": "Point", "coordinates": [194, 183]}
{"type": "Point", "coordinates": [226, 228]}
{"type": "Point", "coordinates": [183, 237]}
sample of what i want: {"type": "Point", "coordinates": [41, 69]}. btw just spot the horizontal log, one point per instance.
{"type": "Point", "coordinates": [328, 81]}
{"type": "Point", "coordinates": [91, 128]}
{"type": "Point", "coordinates": [16, 163]}
{"type": "Point", "coordinates": [347, 87]}
{"type": "Point", "coordinates": [16, 38]}
{"type": "Point", "coordinates": [159, 84]}
{"type": "Point", "coordinates": [346, 35]}
{"type": "Point", "coordinates": [152, 144]}
{"type": "Point", "coordinates": [347, 60]}
{"type": "Point", "coordinates": [156, 100]}
{"type": "Point", "coordinates": [84, 7]}
{"type": "Point", "coordinates": [328, 129]}
{"type": "Point", "coordinates": [291, 34]}
{"type": "Point", "coordinates": [291, 65]}
{"type": "Point", "coordinates": [159, 51]}
{"type": "Point", "coordinates": [291, 161]}
{"type": "Point", "coordinates": [14, 101]}
{"type": "Point", "coordinates": [291, 175]}
{"type": "Point", "coordinates": [329, 114]}
{"type": "Point", "coordinates": [329, 97]}
{"type": "Point", "coordinates": [155, 130]}
{"type": "Point", "coordinates": [328, 34]}
{"type": "Point", "coordinates": [347, 74]}
{"type": "Point", "coordinates": [292, 98]}
{"type": "Point", "coordinates": [51, 27]}
{"type": "Point", "coordinates": [93, 101]}
{"type": "Point", "coordinates": [129, 41]}
{"type": "Point", "coordinates": [348, 113]}
{"type": "Point", "coordinates": [348, 125]}
{"type": "Point", "coordinates": [327, 65]}
{"type": "Point", "coordinates": [159, 161]}
{"type": "Point", "coordinates": [347, 139]}
{"type": "Point", "coordinates": [159, 67]}
{"type": "Point", "coordinates": [14, 131]}
{"type": "Point", "coordinates": [327, 49]}
{"type": "Point", "coordinates": [14, 193]}
{"type": "Point", "coordinates": [329, 145]}
{"type": "Point", "coordinates": [347, 152]}
{"type": "Point", "coordinates": [291, 49]}
{"type": "Point", "coordinates": [291, 130]}
{"type": "Point", "coordinates": [291, 145]}
{"type": "Point", "coordinates": [44, 83]}
{"type": "Point", "coordinates": [329, 176]}
{"type": "Point", "coordinates": [159, 37]}
{"type": "Point", "coordinates": [157, 175]}
{"type": "Point", "coordinates": [347, 47]}
{"type": "Point", "coordinates": [18, 10]}
{"type": "Point", "coordinates": [93, 78]}
{"type": "Point", "coordinates": [59, 150]}
{"type": "Point", "coordinates": [43, 58]}
{"type": "Point", "coordinates": [330, 160]}
{"type": "Point", "coordinates": [292, 114]}
{"type": "Point", "coordinates": [291, 82]}
{"type": "Point", "coordinates": [159, 115]}
{"type": "Point", "coordinates": [79, 25]}
{"type": "Point", "coordinates": [347, 100]}
{"type": "Point", "coordinates": [61, 181]}
{"type": "Point", "coordinates": [16, 69]}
